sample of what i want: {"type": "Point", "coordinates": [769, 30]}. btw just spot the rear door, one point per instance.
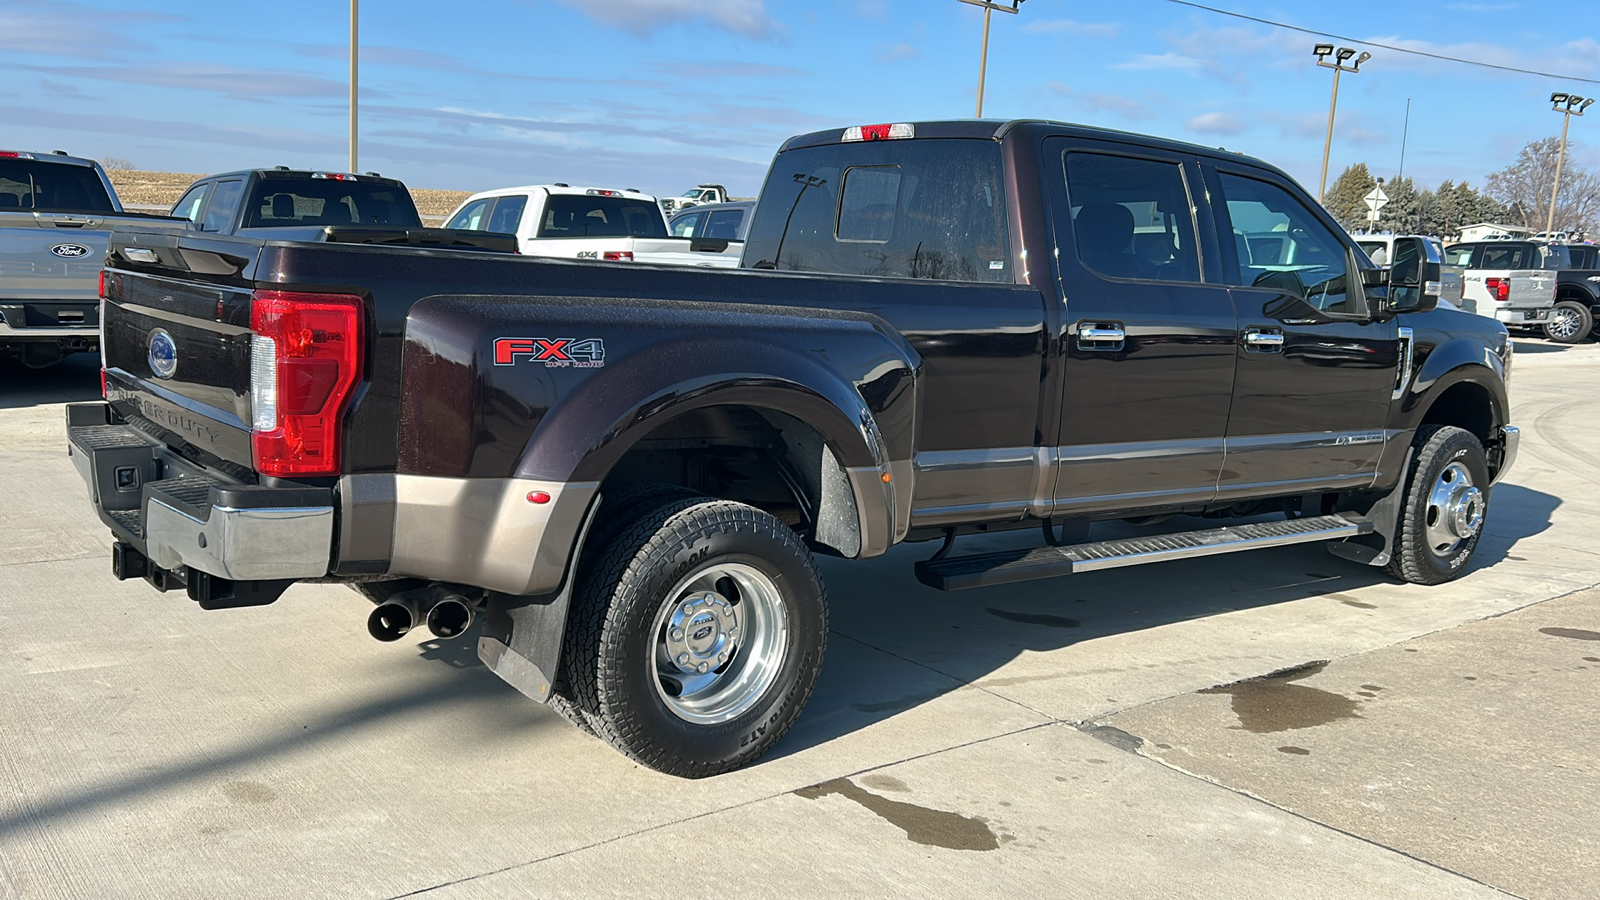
{"type": "Point", "coordinates": [1315, 372]}
{"type": "Point", "coordinates": [1150, 351]}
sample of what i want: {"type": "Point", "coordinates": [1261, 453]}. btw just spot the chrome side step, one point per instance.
{"type": "Point", "coordinates": [954, 573]}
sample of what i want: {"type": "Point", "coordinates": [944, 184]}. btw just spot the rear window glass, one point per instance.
{"type": "Point", "coordinates": [1512, 257]}
{"type": "Point", "coordinates": [930, 209]}
{"type": "Point", "coordinates": [51, 187]}
{"type": "Point", "coordinates": [580, 215]}
{"type": "Point", "coordinates": [279, 202]}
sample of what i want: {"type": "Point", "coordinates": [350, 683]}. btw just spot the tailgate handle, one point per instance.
{"type": "Point", "coordinates": [139, 254]}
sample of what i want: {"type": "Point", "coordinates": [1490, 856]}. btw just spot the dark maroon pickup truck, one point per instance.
{"type": "Point", "coordinates": [940, 328]}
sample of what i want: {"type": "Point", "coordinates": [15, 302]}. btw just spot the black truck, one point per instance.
{"type": "Point", "coordinates": [1577, 297]}
{"type": "Point", "coordinates": [940, 329]}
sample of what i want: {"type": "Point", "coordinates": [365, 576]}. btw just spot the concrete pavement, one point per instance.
{"type": "Point", "coordinates": [996, 740]}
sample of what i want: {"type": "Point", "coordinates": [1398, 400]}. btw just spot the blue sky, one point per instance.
{"type": "Point", "coordinates": [661, 94]}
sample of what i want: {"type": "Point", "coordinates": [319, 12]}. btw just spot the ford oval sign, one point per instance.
{"type": "Point", "coordinates": [163, 354]}
{"type": "Point", "coordinates": [70, 251]}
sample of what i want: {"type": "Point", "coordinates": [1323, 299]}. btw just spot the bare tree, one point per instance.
{"type": "Point", "coordinates": [116, 164]}
{"type": "Point", "coordinates": [1524, 187]}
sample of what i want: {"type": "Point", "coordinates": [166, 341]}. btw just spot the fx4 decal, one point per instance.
{"type": "Point", "coordinates": [553, 353]}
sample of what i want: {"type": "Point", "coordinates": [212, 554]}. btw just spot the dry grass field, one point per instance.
{"type": "Point", "coordinates": [164, 188]}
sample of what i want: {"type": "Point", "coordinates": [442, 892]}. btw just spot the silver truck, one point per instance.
{"type": "Point", "coordinates": [55, 213]}
{"type": "Point", "coordinates": [1513, 282]}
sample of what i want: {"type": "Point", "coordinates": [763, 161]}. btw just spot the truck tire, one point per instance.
{"type": "Point", "coordinates": [697, 636]}
{"type": "Point", "coordinates": [618, 508]}
{"type": "Point", "coordinates": [1446, 505]}
{"type": "Point", "coordinates": [1570, 322]}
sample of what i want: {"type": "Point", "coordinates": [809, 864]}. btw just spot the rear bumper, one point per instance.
{"type": "Point", "coordinates": [49, 320]}
{"type": "Point", "coordinates": [1522, 316]}
{"type": "Point", "coordinates": [183, 518]}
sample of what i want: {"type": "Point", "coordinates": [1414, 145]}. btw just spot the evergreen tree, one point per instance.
{"type": "Point", "coordinates": [1399, 215]}
{"type": "Point", "coordinates": [1427, 212]}
{"type": "Point", "coordinates": [1344, 200]}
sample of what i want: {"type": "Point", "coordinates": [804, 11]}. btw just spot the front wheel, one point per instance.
{"type": "Point", "coordinates": [698, 636]}
{"type": "Point", "coordinates": [1446, 505]}
{"type": "Point", "coordinates": [1570, 322]}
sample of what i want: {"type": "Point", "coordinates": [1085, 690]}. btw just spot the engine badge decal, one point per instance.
{"type": "Point", "coordinates": [552, 353]}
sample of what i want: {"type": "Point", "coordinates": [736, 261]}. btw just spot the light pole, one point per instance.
{"type": "Point", "coordinates": [1322, 52]}
{"type": "Point", "coordinates": [354, 43]}
{"type": "Point", "coordinates": [1568, 105]}
{"type": "Point", "coordinates": [989, 6]}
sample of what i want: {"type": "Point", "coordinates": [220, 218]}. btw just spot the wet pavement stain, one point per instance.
{"type": "Point", "coordinates": [1114, 736]}
{"type": "Point", "coordinates": [1371, 687]}
{"type": "Point", "coordinates": [1033, 618]}
{"type": "Point", "coordinates": [885, 783]}
{"type": "Point", "coordinates": [1365, 694]}
{"type": "Point", "coordinates": [249, 792]}
{"type": "Point", "coordinates": [930, 827]}
{"type": "Point", "coordinates": [1470, 677]}
{"type": "Point", "coordinates": [1577, 634]}
{"type": "Point", "coordinates": [1295, 751]}
{"type": "Point", "coordinates": [1591, 659]}
{"type": "Point", "coordinates": [1271, 703]}
{"type": "Point", "coordinates": [1357, 603]}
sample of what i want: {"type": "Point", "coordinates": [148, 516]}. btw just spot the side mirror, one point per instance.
{"type": "Point", "coordinates": [1414, 276]}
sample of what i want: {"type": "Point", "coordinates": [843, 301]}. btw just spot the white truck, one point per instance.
{"type": "Point", "coordinates": [1512, 281]}
{"type": "Point", "coordinates": [55, 214]}
{"type": "Point", "coordinates": [1452, 279]}
{"type": "Point", "coordinates": [560, 220]}
{"type": "Point", "coordinates": [695, 196]}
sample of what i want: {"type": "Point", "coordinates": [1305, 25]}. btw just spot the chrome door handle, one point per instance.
{"type": "Point", "coordinates": [1101, 335]}
{"type": "Point", "coordinates": [1257, 339]}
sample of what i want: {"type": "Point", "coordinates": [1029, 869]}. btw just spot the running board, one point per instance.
{"type": "Point", "coordinates": [954, 573]}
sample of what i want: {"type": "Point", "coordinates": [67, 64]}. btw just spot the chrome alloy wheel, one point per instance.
{"type": "Point", "coordinates": [1564, 323]}
{"type": "Point", "coordinates": [1455, 510]}
{"type": "Point", "coordinates": [719, 643]}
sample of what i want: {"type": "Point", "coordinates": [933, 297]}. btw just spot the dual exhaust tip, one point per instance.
{"type": "Point", "coordinates": [446, 613]}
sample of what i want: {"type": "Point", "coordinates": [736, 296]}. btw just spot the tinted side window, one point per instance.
{"type": "Point", "coordinates": [683, 226]}
{"type": "Point", "coordinates": [189, 206]}
{"type": "Point", "coordinates": [471, 216]}
{"type": "Point", "coordinates": [507, 214]}
{"type": "Point", "coordinates": [903, 209]}
{"type": "Point", "coordinates": [1132, 218]}
{"type": "Point", "coordinates": [723, 224]}
{"type": "Point", "coordinates": [1280, 244]}
{"type": "Point", "coordinates": [1459, 256]}
{"type": "Point", "coordinates": [224, 203]}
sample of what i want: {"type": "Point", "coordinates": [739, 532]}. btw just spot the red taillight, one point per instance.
{"type": "Point", "coordinates": [334, 176]}
{"type": "Point", "coordinates": [9, 154]}
{"type": "Point", "coordinates": [619, 256]}
{"type": "Point", "coordinates": [105, 394]}
{"type": "Point", "coordinates": [1499, 288]}
{"type": "Point", "coordinates": [305, 361]}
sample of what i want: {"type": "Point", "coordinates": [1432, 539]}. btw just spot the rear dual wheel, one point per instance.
{"type": "Point", "coordinates": [697, 634]}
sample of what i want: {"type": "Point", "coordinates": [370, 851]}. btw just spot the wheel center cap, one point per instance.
{"type": "Point", "coordinates": [702, 632]}
{"type": "Point", "coordinates": [1466, 513]}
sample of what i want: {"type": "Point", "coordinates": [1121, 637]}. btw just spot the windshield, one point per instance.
{"type": "Point", "coordinates": [693, 195]}
{"type": "Point", "coordinates": [582, 215]}
{"type": "Point", "coordinates": [51, 187]}
{"type": "Point", "coordinates": [278, 202]}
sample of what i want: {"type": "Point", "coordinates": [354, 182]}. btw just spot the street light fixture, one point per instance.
{"type": "Point", "coordinates": [989, 6]}
{"type": "Point", "coordinates": [1568, 105]}
{"type": "Point", "coordinates": [1340, 57]}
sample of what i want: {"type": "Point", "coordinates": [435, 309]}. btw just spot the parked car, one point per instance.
{"type": "Point", "coordinates": [1380, 247]}
{"type": "Point", "coordinates": [55, 213]}
{"type": "Point", "coordinates": [1511, 281]}
{"type": "Point", "coordinates": [1577, 296]}
{"type": "Point", "coordinates": [576, 223]}
{"type": "Point", "coordinates": [626, 471]}
{"type": "Point", "coordinates": [695, 196]}
{"type": "Point", "coordinates": [335, 207]}
{"type": "Point", "coordinates": [716, 229]}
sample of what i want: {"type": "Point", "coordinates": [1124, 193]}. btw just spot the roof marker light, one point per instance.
{"type": "Point", "coordinates": [879, 132]}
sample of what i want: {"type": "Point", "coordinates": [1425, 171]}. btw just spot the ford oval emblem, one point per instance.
{"type": "Point", "coordinates": [163, 354]}
{"type": "Point", "coordinates": [70, 251]}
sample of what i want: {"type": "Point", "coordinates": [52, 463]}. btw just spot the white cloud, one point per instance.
{"type": "Point", "coordinates": [1167, 60]}
{"type": "Point", "coordinates": [899, 52]}
{"type": "Point", "coordinates": [1088, 29]}
{"type": "Point", "coordinates": [73, 29]}
{"type": "Point", "coordinates": [1117, 104]}
{"type": "Point", "coordinates": [745, 17]}
{"type": "Point", "coordinates": [1216, 123]}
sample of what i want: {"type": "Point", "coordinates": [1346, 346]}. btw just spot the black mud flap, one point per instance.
{"type": "Point", "coordinates": [1376, 549]}
{"type": "Point", "coordinates": [522, 636]}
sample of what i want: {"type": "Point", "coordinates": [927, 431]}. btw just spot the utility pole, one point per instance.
{"type": "Point", "coordinates": [1568, 105]}
{"type": "Point", "coordinates": [1322, 52]}
{"type": "Point", "coordinates": [354, 44]}
{"type": "Point", "coordinates": [1404, 133]}
{"type": "Point", "coordinates": [989, 6]}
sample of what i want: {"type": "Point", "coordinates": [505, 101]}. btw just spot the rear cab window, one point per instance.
{"type": "Point", "coordinates": [683, 226]}
{"type": "Point", "coordinates": [292, 201]}
{"type": "Point", "coordinates": [37, 186]}
{"type": "Point", "coordinates": [930, 209]}
{"type": "Point", "coordinates": [587, 216]}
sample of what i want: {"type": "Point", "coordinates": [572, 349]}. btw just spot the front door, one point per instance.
{"type": "Point", "coordinates": [1149, 355]}
{"type": "Point", "coordinates": [1315, 372]}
